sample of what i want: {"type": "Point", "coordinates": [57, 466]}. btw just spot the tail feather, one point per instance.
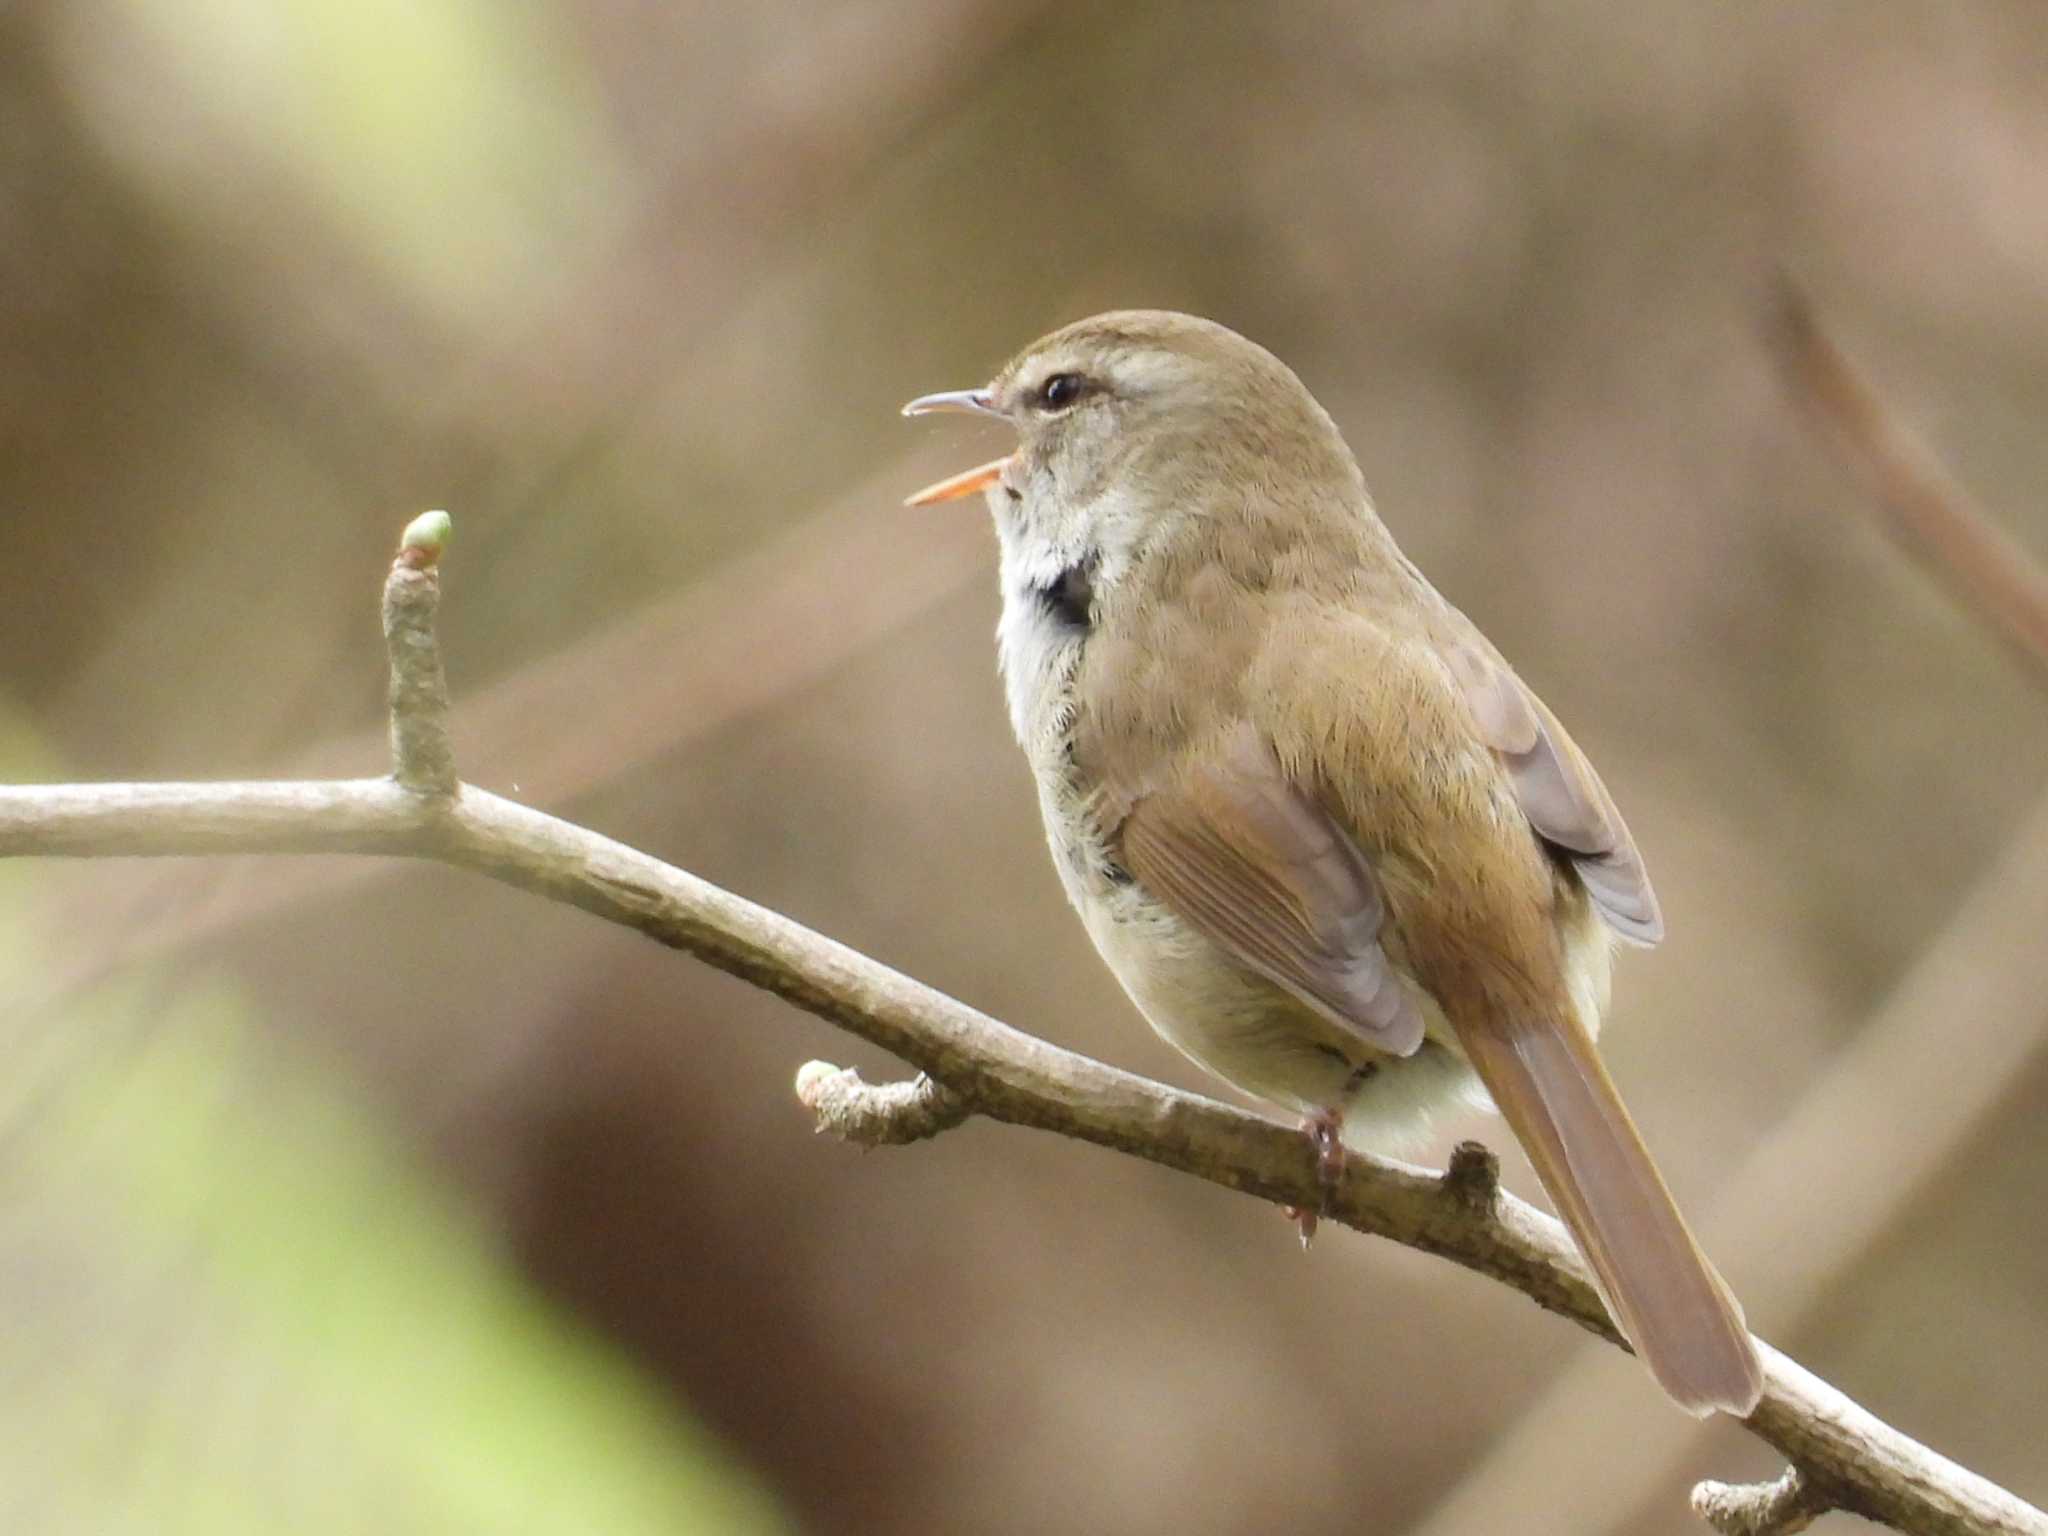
{"type": "Point", "coordinates": [1662, 1292]}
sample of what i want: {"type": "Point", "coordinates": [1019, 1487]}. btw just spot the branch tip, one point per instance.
{"type": "Point", "coordinates": [1782, 1507]}
{"type": "Point", "coordinates": [877, 1114]}
{"type": "Point", "coordinates": [425, 537]}
{"type": "Point", "coordinates": [422, 755]}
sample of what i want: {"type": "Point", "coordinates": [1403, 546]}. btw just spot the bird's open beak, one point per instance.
{"type": "Point", "coordinates": [953, 487]}
{"type": "Point", "coordinates": [973, 402]}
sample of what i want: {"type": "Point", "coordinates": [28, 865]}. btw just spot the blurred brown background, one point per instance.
{"type": "Point", "coordinates": [362, 1196]}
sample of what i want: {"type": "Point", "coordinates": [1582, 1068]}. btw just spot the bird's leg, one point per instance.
{"type": "Point", "coordinates": [1323, 1129]}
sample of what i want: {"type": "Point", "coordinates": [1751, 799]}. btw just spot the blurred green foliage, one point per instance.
{"type": "Point", "coordinates": [257, 1313]}
{"type": "Point", "coordinates": [452, 142]}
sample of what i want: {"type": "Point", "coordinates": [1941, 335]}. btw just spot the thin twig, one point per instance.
{"type": "Point", "coordinates": [1931, 517]}
{"type": "Point", "coordinates": [422, 755]}
{"type": "Point", "coordinates": [984, 1066]}
{"type": "Point", "coordinates": [1783, 1507]}
{"type": "Point", "coordinates": [877, 1114]}
{"type": "Point", "coordinates": [875, 565]}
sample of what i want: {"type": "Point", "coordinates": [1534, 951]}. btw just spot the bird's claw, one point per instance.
{"type": "Point", "coordinates": [1324, 1135]}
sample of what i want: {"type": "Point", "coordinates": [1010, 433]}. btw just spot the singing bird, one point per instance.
{"type": "Point", "coordinates": [1335, 850]}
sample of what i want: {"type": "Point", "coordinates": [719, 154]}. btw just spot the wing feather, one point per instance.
{"type": "Point", "coordinates": [1259, 868]}
{"type": "Point", "coordinates": [1559, 792]}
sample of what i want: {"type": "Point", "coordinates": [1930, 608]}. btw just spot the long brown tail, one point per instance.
{"type": "Point", "coordinates": [1675, 1310]}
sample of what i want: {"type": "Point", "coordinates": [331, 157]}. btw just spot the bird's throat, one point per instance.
{"type": "Point", "coordinates": [1068, 596]}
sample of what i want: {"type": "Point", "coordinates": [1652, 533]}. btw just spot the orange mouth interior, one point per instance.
{"type": "Point", "coordinates": [953, 487]}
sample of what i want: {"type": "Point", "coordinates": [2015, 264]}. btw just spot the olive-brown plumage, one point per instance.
{"type": "Point", "coordinates": [1335, 850]}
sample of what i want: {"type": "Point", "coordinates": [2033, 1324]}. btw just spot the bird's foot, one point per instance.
{"type": "Point", "coordinates": [1323, 1130]}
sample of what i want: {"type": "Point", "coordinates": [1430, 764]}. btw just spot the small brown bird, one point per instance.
{"type": "Point", "coordinates": [1333, 847]}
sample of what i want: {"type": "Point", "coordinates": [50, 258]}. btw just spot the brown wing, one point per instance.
{"type": "Point", "coordinates": [1262, 870]}
{"type": "Point", "coordinates": [1559, 792]}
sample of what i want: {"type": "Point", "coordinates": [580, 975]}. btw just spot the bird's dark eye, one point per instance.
{"type": "Point", "coordinates": [1060, 391]}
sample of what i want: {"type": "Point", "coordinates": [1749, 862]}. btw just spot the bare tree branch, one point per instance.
{"type": "Point", "coordinates": [1964, 1009]}
{"type": "Point", "coordinates": [1966, 1013]}
{"type": "Point", "coordinates": [979, 1065]}
{"type": "Point", "coordinates": [877, 571]}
